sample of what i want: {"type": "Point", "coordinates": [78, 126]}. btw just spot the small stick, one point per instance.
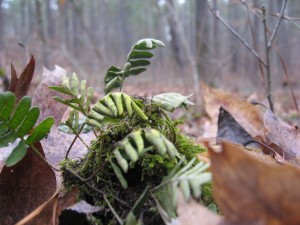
{"type": "Point", "coordinates": [235, 34]}
{"type": "Point", "coordinates": [278, 24]}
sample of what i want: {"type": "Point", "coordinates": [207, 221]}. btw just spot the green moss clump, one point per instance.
{"type": "Point", "coordinates": [148, 171]}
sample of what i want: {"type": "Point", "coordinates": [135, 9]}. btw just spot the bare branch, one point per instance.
{"type": "Point", "coordinates": [278, 23]}
{"type": "Point", "coordinates": [216, 14]}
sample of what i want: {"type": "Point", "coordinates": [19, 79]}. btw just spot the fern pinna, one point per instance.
{"type": "Point", "coordinates": [18, 126]}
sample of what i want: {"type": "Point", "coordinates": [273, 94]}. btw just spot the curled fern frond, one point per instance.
{"type": "Point", "coordinates": [132, 147]}
{"type": "Point", "coordinates": [188, 179]}
{"type": "Point", "coordinates": [16, 121]}
{"type": "Point", "coordinates": [80, 96]}
{"type": "Point", "coordinates": [137, 60]}
{"type": "Point", "coordinates": [114, 106]}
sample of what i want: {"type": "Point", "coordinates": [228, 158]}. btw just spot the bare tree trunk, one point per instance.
{"type": "Point", "coordinates": [50, 20]}
{"type": "Point", "coordinates": [87, 31]}
{"type": "Point", "coordinates": [234, 46]}
{"type": "Point", "coordinates": [126, 34]}
{"type": "Point", "coordinates": [42, 33]}
{"type": "Point", "coordinates": [1, 27]}
{"type": "Point", "coordinates": [176, 43]}
{"type": "Point", "coordinates": [217, 40]}
{"type": "Point", "coordinates": [202, 33]}
{"type": "Point", "coordinates": [186, 51]}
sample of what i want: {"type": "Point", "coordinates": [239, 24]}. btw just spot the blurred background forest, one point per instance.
{"type": "Point", "coordinates": [89, 36]}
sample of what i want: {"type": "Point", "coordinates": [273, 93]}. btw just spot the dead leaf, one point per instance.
{"type": "Point", "coordinates": [193, 213]}
{"type": "Point", "coordinates": [13, 78]}
{"type": "Point", "coordinates": [283, 135]}
{"type": "Point", "coordinates": [38, 211]}
{"type": "Point", "coordinates": [248, 189]}
{"type": "Point", "coordinates": [43, 95]}
{"type": "Point", "coordinates": [230, 130]}
{"type": "Point", "coordinates": [20, 86]}
{"type": "Point", "coordinates": [246, 114]}
{"type": "Point", "coordinates": [24, 187]}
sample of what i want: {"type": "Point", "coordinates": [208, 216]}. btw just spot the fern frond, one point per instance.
{"type": "Point", "coordinates": [16, 121]}
{"type": "Point", "coordinates": [134, 145]}
{"type": "Point", "coordinates": [113, 106]}
{"type": "Point", "coordinates": [188, 179]}
{"type": "Point", "coordinates": [79, 96]}
{"type": "Point", "coordinates": [137, 60]}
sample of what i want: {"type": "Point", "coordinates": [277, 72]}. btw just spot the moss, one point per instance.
{"type": "Point", "coordinates": [149, 170]}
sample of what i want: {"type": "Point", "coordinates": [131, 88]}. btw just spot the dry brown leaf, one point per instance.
{"type": "Point", "coordinates": [283, 135]}
{"type": "Point", "coordinates": [24, 187]}
{"type": "Point", "coordinates": [193, 213]}
{"type": "Point", "coordinates": [246, 114]}
{"type": "Point", "coordinates": [43, 95]}
{"type": "Point", "coordinates": [20, 86]}
{"type": "Point", "coordinates": [248, 189]}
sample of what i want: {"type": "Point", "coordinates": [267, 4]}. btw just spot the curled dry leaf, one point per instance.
{"type": "Point", "coordinates": [230, 130]}
{"type": "Point", "coordinates": [248, 189]}
{"type": "Point", "coordinates": [246, 114]}
{"type": "Point", "coordinates": [283, 135]}
{"type": "Point", "coordinates": [24, 187]}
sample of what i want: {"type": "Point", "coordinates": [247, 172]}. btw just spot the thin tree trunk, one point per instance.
{"type": "Point", "coordinates": [1, 26]}
{"type": "Point", "coordinates": [202, 33]}
{"type": "Point", "coordinates": [42, 33]}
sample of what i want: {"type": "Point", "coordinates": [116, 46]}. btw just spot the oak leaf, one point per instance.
{"type": "Point", "coordinates": [24, 187]}
{"type": "Point", "coordinates": [283, 135]}
{"type": "Point", "coordinates": [249, 189]}
{"type": "Point", "coordinates": [246, 114]}
{"type": "Point", "coordinates": [20, 86]}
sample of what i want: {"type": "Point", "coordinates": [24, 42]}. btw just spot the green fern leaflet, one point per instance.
{"type": "Point", "coordinates": [16, 121]}
{"type": "Point", "coordinates": [137, 60]}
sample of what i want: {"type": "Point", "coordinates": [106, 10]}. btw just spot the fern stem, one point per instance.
{"type": "Point", "coordinates": [73, 142]}
{"type": "Point", "coordinates": [122, 80]}
{"type": "Point", "coordinates": [42, 157]}
{"type": "Point", "coordinates": [74, 131]}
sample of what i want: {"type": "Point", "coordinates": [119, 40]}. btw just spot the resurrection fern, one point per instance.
{"type": "Point", "coordinates": [189, 178]}
{"type": "Point", "coordinates": [16, 122]}
{"type": "Point", "coordinates": [137, 60]}
{"type": "Point", "coordinates": [114, 106]}
{"type": "Point", "coordinates": [79, 96]}
{"type": "Point", "coordinates": [79, 99]}
{"type": "Point", "coordinates": [136, 144]}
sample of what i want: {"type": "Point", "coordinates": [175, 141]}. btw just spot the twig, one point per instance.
{"type": "Point", "coordinates": [267, 66]}
{"type": "Point", "coordinates": [99, 192]}
{"type": "Point", "coordinates": [278, 23]}
{"type": "Point", "coordinates": [254, 39]}
{"type": "Point", "coordinates": [235, 33]}
{"type": "Point", "coordinates": [73, 142]}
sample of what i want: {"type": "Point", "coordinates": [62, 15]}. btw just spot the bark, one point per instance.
{"type": "Point", "coordinates": [1, 27]}
{"type": "Point", "coordinates": [202, 32]}
{"type": "Point", "coordinates": [50, 20]}
{"type": "Point", "coordinates": [176, 43]}
{"type": "Point", "coordinates": [41, 32]}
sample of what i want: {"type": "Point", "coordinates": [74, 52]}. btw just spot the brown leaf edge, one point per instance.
{"type": "Point", "coordinates": [20, 86]}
